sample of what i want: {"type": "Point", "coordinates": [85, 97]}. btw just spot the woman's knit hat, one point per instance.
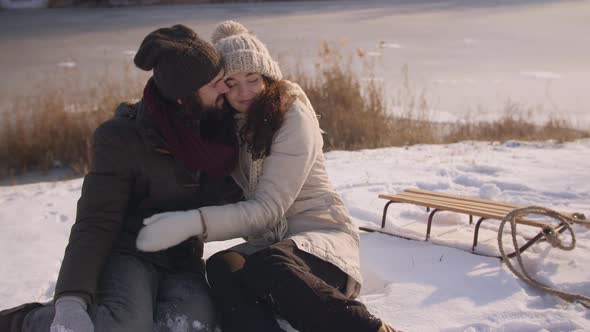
{"type": "Point", "coordinates": [242, 51]}
{"type": "Point", "coordinates": [181, 60]}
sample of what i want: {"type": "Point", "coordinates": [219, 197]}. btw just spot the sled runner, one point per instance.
{"type": "Point", "coordinates": [473, 207]}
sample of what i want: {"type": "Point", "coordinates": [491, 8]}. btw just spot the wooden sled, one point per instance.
{"type": "Point", "coordinates": [484, 209]}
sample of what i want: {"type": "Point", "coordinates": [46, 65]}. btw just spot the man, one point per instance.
{"type": "Point", "coordinates": [151, 157]}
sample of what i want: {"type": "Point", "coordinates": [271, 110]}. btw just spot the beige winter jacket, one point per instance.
{"type": "Point", "coordinates": [294, 183]}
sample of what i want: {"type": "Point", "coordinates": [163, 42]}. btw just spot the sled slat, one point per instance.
{"type": "Point", "coordinates": [467, 205]}
{"type": "Point", "coordinates": [473, 207]}
{"type": "Point", "coordinates": [454, 205]}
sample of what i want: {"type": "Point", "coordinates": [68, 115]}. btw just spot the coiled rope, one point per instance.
{"type": "Point", "coordinates": [551, 235]}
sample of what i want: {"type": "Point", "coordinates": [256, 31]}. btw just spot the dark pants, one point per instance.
{"type": "Point", "coordinates": [134, 295]}
{"type": "Point", "coordinates": [281, 279]}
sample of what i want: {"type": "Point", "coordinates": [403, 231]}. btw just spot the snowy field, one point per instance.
{"type": "Point", "coordinates": [413, 285]}
{"type": "Point", "coordinates": [468, 56]}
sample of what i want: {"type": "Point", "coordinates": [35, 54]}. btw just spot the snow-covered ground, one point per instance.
{"type": "Point", "coordinates": [414, 285]}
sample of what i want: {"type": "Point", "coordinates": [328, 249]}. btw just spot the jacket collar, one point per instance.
{"type": "Point", "coordinates": [146, 129]}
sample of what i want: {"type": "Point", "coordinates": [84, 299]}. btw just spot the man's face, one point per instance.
{"type": "Point", "coordinates": [211, 94]}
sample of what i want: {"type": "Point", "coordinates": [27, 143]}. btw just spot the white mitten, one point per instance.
{"type": "Point", "coordinates": [165, 230]}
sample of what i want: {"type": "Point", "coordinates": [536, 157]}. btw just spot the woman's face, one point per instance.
{"type": "Point", "coordinates": [243, 89]}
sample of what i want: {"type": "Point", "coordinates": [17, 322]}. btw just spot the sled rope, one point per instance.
{"type": "Point", "coordinates": [552, 237]}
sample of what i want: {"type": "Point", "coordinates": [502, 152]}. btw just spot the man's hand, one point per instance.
{"type": "Point", "coordinates": [168, 229]}
{"type": "Point", "coordinates": [71, 316]}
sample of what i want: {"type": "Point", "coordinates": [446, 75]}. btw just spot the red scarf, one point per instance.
{"type": "Point", "coordinates": [196, 153]}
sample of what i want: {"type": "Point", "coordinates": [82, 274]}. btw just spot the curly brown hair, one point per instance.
{"type": "Point", "coordinates": [265, 117]}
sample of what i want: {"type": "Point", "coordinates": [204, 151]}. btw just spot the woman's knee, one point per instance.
{"type": "Point", "coordinates": [267, 266]}
{"type": "Point", "coordinates": [223, 265]}
{"type": "Point", "coordinates": [277, 256]}
{"type": "Point", "coordinates": [225, 262]}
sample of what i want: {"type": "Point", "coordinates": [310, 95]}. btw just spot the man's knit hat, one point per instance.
{"type": "Point", "coordinates": [182, 62]}
{"type": "Point", "coordinates": [242, 51]}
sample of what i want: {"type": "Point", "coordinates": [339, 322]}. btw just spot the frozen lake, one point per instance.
{"type": "Point", "coordinates": [469, 56]}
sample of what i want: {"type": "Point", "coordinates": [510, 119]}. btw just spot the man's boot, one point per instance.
{"type": "Point", "coordinates": [11, 320]}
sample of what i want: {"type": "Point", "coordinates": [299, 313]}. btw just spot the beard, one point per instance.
{"type": "Point", "coordinates": [218, 124]}
{"type": "Point", "coordinates": [213, 123]}
{"type": "Point", "coordinates": [192, 112]}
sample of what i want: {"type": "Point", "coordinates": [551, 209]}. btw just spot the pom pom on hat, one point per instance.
{"type": "Point", "coordinates": [226, 29]}
{"type": "Point", "coordinates": [242, 51]}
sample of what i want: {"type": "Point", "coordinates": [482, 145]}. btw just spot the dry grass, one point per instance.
{"type": "Point", "coordinates": [355, 115]}
{"type": "Point", "coordinates": [354, 112]}
{"type": "Point", "coordinates": [351, 119]}
{"type": "Point", "coordinates": [513, 125]}
{"type": "Point", "coordinates": [54, 127]}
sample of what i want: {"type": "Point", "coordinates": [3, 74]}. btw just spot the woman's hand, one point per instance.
{"type": "Point", "coordinates": [165, 230]}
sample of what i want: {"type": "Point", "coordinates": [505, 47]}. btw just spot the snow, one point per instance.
{"type": "Point", "coordinates": [67, 64]}
{"type": "Point", "coordinates": [532, 53]}
{"type": "Point", "coordinates": [383, 44]}
{"type": "Point", "coordinates": [470, 41]}
{"type": "Point", "coordinates": [542, 75]}
{"type": "Point", "coordinates": [130, 53]}
{"type": "Point", "coordinates": [414, 285]}
{"type": "Point", "coordinates": [60, 328]}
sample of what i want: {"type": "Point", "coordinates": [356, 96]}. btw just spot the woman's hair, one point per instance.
{"type": "Point", "coordinates": [265, 117]}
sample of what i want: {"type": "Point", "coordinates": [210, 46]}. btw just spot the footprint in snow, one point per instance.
{"type": "Point", "coordinates": [57, 217]}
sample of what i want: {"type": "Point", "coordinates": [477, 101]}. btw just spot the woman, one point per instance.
{"type": "Point", "coordinates": [301, 257]}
